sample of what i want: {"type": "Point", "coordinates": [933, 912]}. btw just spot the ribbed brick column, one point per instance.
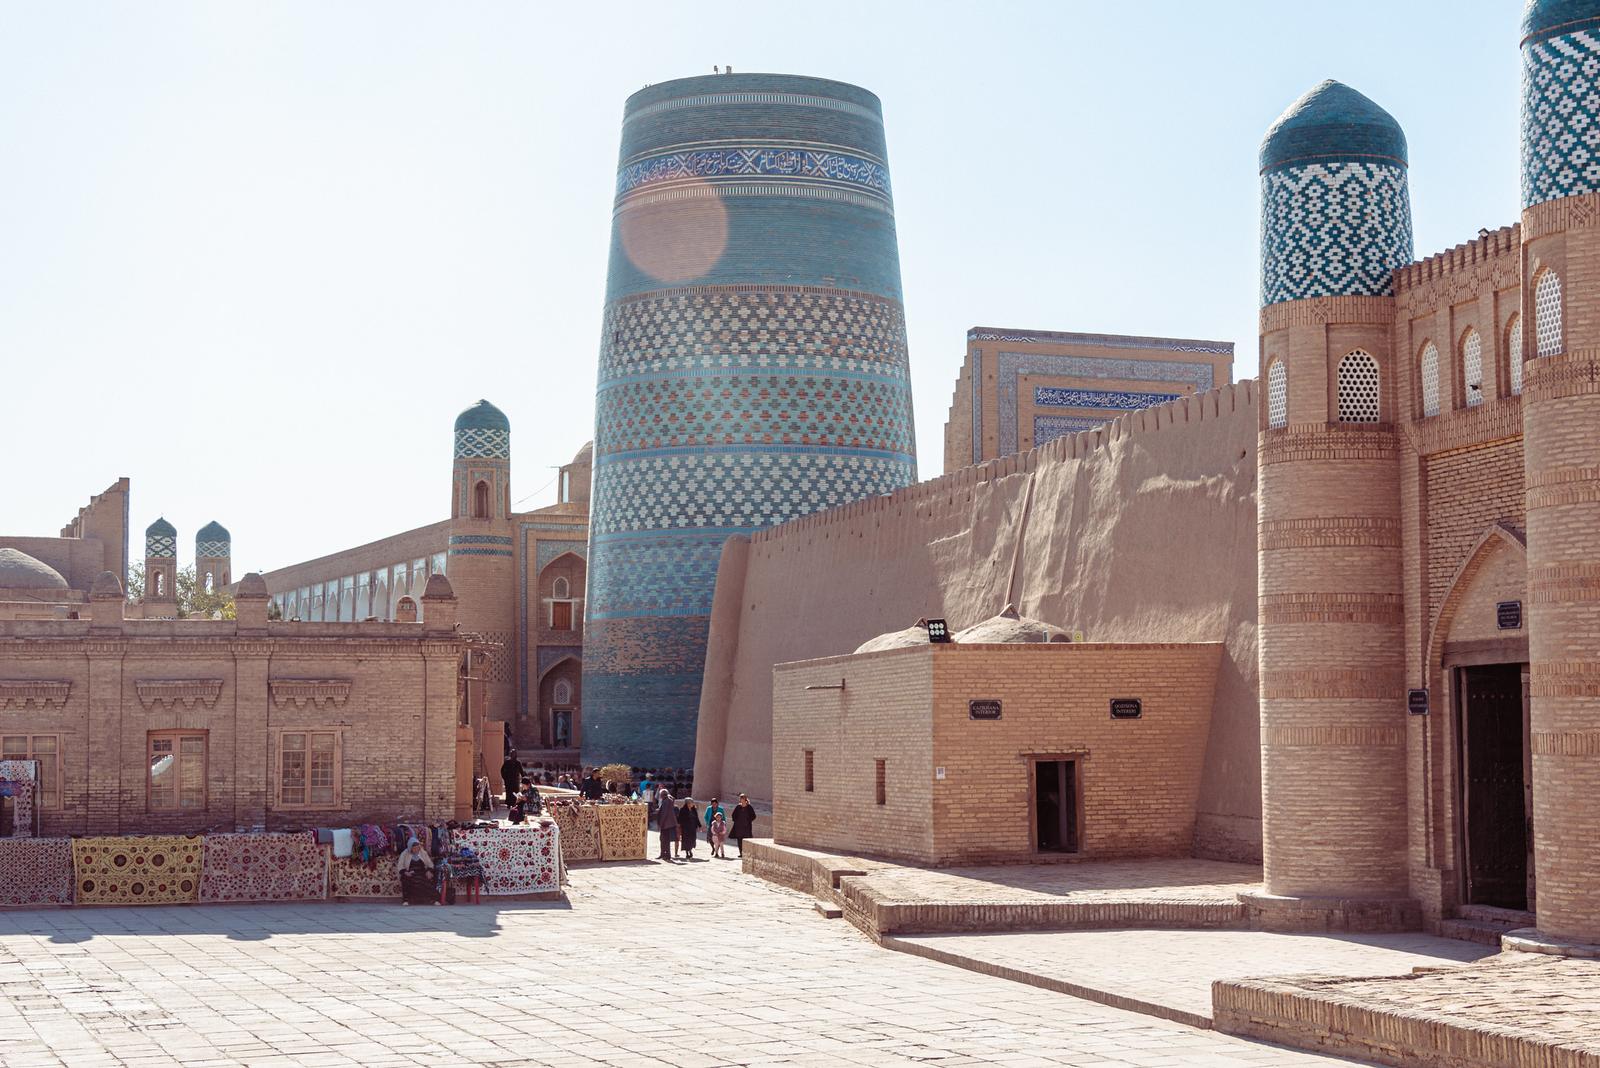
{"type": "Point", "coordinates": [1336, 221]}
{"type": "Point", "coordinates": [1561, 448]}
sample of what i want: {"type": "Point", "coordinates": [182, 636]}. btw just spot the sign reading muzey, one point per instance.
{"type": "Point", "coordinates": [1126, 707]}
{"type": "Point", "coordinates": [983, 709]}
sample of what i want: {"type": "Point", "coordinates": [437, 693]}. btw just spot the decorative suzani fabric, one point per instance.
{"type": "Point", "coordinates": [263, 867]}
{"type": "Point", "coordinates": [580, 832]}
{"type": "Point", "coordinates": [623, 832]}
{"type": "Point", "coordinates": [516, 860]}
{"type": "Point", "coordinates": [153, 869]}
{"type": "Point", "coordinates": [351, 878]}
{"type": "Point", "coordinates": [17, 770]}
{"type": "Point", "coordinates": [35, 871]}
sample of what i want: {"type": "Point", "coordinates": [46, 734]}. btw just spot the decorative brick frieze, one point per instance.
{"type": "Point", "coordinates": [1291, 444]}
{"type": "Point", "coordinates": [1556, 486]}
{"type": "Point", "coordinates": [1560, 583]}
{"type": "Point", "coordinates": [1566, 374]}
{"type": "Point", "coordinates": [1564, 678]}
{"type": "Point", "coordinates": [1464, 428]}
{"type": "Point", "coordinates": [1332, 608]}
{"type": "Point", "coordinates": [317, 693]}
{"type": "Point", "coordinates": [1566, 743]}
{"type": "Point", "coordinates": [1349, 737]}
{"type": "Point", "coordinates": [34, 693]}
{"type": "Point", "coordinates": [170, 693]}
{"type": "Point", "coordinates": [1320, 311]}
{"type": "Point", "coordinates": [1324, 683]}
{"type": "Point", "coordinates": [1328, 532]}
{"type": "Point", "coordinates": [1560, 215]}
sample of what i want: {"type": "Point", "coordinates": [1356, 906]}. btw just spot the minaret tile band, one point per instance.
{"type": "Point", "coordinates": [753, 369]}
{"type": "Point", "coordinates": [1560, 101]}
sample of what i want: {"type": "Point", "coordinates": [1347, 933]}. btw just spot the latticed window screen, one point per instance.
{"type": "Point", "coordinates": [1514, 353]}
{"type": "Point", "coordinates": [1547, 313]}
{"type": "Point", "coordinates": [1358, 388]}
{"type": "Point", "coordinates": [1472, 368]}
{"type": "Point", "coordinates": [1277, 394]}
{"type": "Point", "coordinates": [1430, 380]}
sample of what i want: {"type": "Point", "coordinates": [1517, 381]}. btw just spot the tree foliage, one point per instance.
{"type": "Point", "coordinates": [194, 600]}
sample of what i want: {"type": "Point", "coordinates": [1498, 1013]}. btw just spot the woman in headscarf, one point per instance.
{"type": "Point", "coordinates": [744, 822]}
{"type": "Point", "coordinates": [416, 875]}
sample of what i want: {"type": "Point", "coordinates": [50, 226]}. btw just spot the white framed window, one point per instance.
{"type": "Point", "coordinates": [46, 749]}
{"type": "Point", "coordinates": [1277, 394]}
{"type": "Point", "coordinates": [177, 762]}
{"type": "Point", "coordinates": [310, 769]}
{"type": "Point", "coordinates": [1547, 313]}
{"type": "Point", "coordinates": [1472, 368]}
{"type": "Point", "coordinates": [561, 589]}
{"type": "Point", "coordinates": [1430, 379]}
{"type": "Point", "coordinates": [1358, 388]}
{"type": "Point", "coordinates": [1514, 353]}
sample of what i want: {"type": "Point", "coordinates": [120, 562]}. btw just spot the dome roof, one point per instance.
{"type": "Point", "coordinates": [585, 455]}
{"type": "Point", "coordinates": [483, 416]}
{"type": "Point", "coordinates": [213, 531]}
{"type": "Point", "coordinates": [916, 634]}
{"type": "Point", "coordinates": [1331, 123]}
{"type": "Point", "coordinates": [1010, 627]}
{"type": "Point", "coordinates": [161, 529]}
{"type": "Point", "coordinates": [1543, 17]}
{"type": "Point", "coordinates": [19, 571]}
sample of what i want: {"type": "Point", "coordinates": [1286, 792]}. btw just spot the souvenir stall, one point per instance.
{"type": "Point", "coordinates": [19, 787]}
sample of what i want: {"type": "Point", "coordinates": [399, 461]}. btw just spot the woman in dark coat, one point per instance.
{"type": "Point", "coordinates": [744, 822]}
{"type": "Point", "coordinates": [688, 828]}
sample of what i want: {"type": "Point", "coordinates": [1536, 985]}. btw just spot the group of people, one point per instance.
{"type": "Point", "coordinates": [679, 824]}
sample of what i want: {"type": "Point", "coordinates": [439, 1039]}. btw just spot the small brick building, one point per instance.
{"type": "Point", "coordinates": [964, 752]}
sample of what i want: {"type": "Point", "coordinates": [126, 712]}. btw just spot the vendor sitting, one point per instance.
{"type": "Point", "coordinates": [416, 875]}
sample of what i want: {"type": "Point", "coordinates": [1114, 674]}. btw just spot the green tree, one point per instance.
{"type": "Point", "coordinates": [194, 600]}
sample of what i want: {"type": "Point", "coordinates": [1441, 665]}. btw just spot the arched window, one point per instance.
{"type": "Point", "coordinates": [161, 585]}
{"type": "Point", "coordinates": [1277, 394]}
{"type": "Point", "coordinates": [480, 501]}
{"type": "Point", "coordinates": [1430, 379]}
{"type": "Point", "coordinates": [1514, 353]}
{"type": "Point", "coordinates": [562, 589]}
{"type": "Point", "coordinates": [561, 692]}
{"type": "Point", "coordinates": [210, 582]}
{"type": "Point", "coordinates": [1472, 368]}
{"type": "Point", "coordinates": [1358, 388]}
{"type": "Point", "coordinates": [1547, 313]}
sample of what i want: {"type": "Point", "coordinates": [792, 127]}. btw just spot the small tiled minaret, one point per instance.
{"type": "Point", "coordinates": [213, 551]}
{"type": "Point", "coordinates": [160, 570]}
{"type": "Point", "coordinates": [481, 563]}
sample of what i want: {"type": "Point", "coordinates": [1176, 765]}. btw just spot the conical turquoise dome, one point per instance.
{"type": "Point", "coordinates": [1333, 123]}
{"type": "Point", "coordinates": [483, 416]}
{"type": "Point", "coordinates": [161, 529]}
{"type": "Point", "coordinates": [1544, 17]}
{"type": "Point", "coordinates": [213, 531]}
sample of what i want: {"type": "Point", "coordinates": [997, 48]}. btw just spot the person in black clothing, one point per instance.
{"type": "Point", "coordinates": [744, 822]}
{"type": "Point", "coordinates": [593, 788]}
{"type": "Point", "coordinates": [688, 828]}
{"type": "Point", "coordinates": [511, 772]}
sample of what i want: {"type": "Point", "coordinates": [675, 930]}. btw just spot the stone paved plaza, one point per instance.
{"type": "Point", "coordinates": [689, 965]}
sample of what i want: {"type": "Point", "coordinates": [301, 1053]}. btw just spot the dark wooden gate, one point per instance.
{"type": "Point", "coordinates": [1494, 809]}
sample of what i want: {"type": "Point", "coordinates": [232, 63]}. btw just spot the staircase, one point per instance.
{"type": "Point", "coordinates": [1484, 924]}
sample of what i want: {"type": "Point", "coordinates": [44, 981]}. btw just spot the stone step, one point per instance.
{"type": "Point", "coordinates": [1482, 932]}
{"type": "Point", "coordinates": [1491, 914]}
{"type": "Point", "coordinates": [828, 912]}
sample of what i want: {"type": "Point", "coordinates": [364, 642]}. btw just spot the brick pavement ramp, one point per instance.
{"type": "Point", "coordinates": [884, 899]}
{"type": "Point", "coordinates": [1170, 973]}
{"type": "Point", "coordinates": [1514, 1010]}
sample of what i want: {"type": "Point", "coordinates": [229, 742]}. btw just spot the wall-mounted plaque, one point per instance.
{"type": "Point", "coordinates": [1508, 615]}
{"type": "Point", "coordinates": [983, 709]}
{"type": "Point", "coordinates": [1126, 708]}
{"type": "Point", "coordinates": [1417, 702]}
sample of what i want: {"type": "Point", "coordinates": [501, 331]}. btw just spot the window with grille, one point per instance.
{"type": "Point", "coordinates": [1472, 368]}
{"type": "Point", "coordinates": [1514, 353]}
{"type": "Point", "coordinates": [561, 692]}
{"type": "Point", "coordinates": [811, 767]}
{"type": "Point", "coordinates": [177, 762]}
{"type": "Point", "coordinates": [1277, 394]}
{"type": "Point", "coordinates": [1430, 379]}
{"type": "Point", "coordinates": [308, 768]}
{"type": "Point", "coordinates": [1547, 313]}
{"type": "Point", "coordinates": [46, 749]}
{"type": "Point", "coordinates": [1358, 388]}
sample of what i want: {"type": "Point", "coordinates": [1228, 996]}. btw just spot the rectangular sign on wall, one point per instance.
{"type": "Point", "coordinates": [1508, 615]}
{"type": "Point", "coordinates": [1417, 702]}
{"type": "Point", "coordinates": [1126, 707]}
{"type": "Point", "coordinates": [983, 709]}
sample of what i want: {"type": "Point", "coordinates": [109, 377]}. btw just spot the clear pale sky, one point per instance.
{"type": "Point", "coordinates": [256, 256]}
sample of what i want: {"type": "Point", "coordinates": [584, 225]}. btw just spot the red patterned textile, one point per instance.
{"type": "Point", "coordinates": [351, 878]}
{"type": "Point", "coordinates": [35, 871]}
{"type": "Point", "coordinates": [516, 860]}
{"type": "Point", "coordinates": [263, 867]}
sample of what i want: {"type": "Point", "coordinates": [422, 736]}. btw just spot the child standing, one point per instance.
{"type": "Point", "coordinates": [719, 834]}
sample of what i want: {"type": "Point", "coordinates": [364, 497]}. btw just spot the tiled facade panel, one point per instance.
{"type": "Point", "coordinates": [753, 368]}
{"type": "Point", "coordinates": [1560, 116]}
{"type": "Point", "coordinates": [1333, 229]}
{"type": "Point", "coordinates": [1468, 489]}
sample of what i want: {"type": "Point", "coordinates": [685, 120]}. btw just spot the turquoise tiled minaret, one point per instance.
{"type": "Point", "coordinates": [1335, 204]}
{"type": "Point", "coordinates": [752, 369]}
{"type": "Point", "coordinates": [1560, 100]}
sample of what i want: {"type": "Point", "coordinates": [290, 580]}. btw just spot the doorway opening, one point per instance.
{"type": "Point", "coordinates": [1055, 806]}
{"type": "Point", "coordinates": [563, 728]}
{"type": "Point", "coordinates": [1493, 729]}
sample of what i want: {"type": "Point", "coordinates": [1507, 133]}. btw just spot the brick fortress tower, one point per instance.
{"type": "Point", "coordinates": [752, 369]}
{"type": "Point", "coordinates": [481, 565]}
{"type": "Point", "coordinates": [160, 571]}
{"type": "Point", "coordinates": [213, 552]}
{"type": "Point", "coordinates": [1561, 442]}
{"type": "Point", "coordinates": [1336, 222]}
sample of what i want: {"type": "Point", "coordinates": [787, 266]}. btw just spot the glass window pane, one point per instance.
{"type": "Point", "coordinates": [163, 776]}
{"type": "Point", "coordinates": [14, 747]}
{"type": "Point", "coordinates": [292, 742]}
{"type": "Point", "coordinates": [44, 743]}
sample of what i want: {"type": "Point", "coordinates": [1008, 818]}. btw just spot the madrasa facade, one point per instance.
{"type": "Point", "coordinates": [1407, 717]}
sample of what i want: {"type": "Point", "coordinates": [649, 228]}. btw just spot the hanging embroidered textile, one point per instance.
{"type": "Point", "coordinates": [149, 869]}
{"type": "Point", "coordinates": [263, 867]}
{"type": "Point", "coordinates": [19, 781]}
{"type": "Point", "coordinates": [35, 871]}
{"type": "Point", "coordinates": [516, 860]}
{"type": "Point", "coordinates": [623, 832]}
{"type": "Point", "coordinates": [580, 831]}
{"type": "Point", "coordinates": [348, 877]}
